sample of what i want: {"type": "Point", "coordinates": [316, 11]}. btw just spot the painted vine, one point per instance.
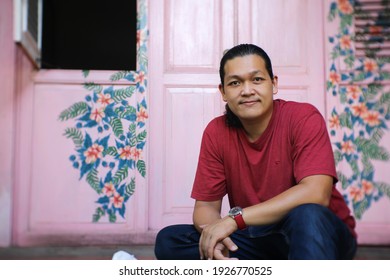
{"type": "Point", "coordinates": [361, 119]}
{"type": "Point", "coordinates": [109, 132]}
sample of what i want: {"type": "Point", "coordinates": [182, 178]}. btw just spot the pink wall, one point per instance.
{"type": "Point", "coordinates": [7, 119]}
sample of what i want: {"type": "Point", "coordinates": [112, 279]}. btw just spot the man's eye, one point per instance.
{"type": "Point", "coordinates": [234, 83]}
{"type": "Point", "coordinates": [258, 79]}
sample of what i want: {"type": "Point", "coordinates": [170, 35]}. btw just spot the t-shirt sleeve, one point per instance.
{"type": "Point", "coordinates": [210, 182]}
{"type": "Point", "coordinates": [312, 154]}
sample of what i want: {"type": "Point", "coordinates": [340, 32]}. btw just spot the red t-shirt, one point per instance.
{"type": "Point", "coordinates": [294, 145]}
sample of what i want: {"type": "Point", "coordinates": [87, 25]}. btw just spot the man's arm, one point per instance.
{"type": "Point", "coordinates": [312, 189]}
{"type": "Point", "coordinates": [209, 213]}
{"type": "Point", "coordinates": [205, 213]}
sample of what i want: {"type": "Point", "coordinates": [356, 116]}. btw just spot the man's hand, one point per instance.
{"type": "Point", "coordinates": [215, 241]}
{"type": "Point", "coordinates": [221, 251]}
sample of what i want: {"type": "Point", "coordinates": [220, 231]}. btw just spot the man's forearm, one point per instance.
{"type": "Point", "coordinates": [206, 213]}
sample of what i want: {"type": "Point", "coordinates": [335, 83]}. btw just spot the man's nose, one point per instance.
{"type": "Point", "coordinates": [246, 89]}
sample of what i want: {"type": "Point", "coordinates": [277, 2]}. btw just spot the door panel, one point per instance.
{"type": "Point", "coordinates": [190, 46]}
{"type": "Point", "coordinates": [291, 32]}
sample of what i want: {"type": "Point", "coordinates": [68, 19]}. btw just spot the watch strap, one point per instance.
{"type": "Point", "coordinates": [240, 221]}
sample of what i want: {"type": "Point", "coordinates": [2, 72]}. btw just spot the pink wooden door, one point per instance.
{"type": "Point", "coordinates": [80, 153]}
{"type": "Point", "coordinates": [187, 41]}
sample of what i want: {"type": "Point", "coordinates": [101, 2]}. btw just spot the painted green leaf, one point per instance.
{"type": "Point", "coordinates": [76, 135]}
{"type": "Point", "coordinates": [112, 218]}
{"type": "Point", "coordinates": [338, 156]}
{"type": "Point", "coordinates": [343, 180]}
{"type": "Point", "coordinates": [85, 73]}
{"type": "Point", "coordinates": [354, 166]}
{"type": "Point", "coordinates": [112, 151]}
{"type": "Point", "coordinates": [359, 76]}
{"type": "Point", "coordinates": [141, 166]}
{"type": "Point", "coordinates": [93, 180]}
{"type": "Point", "coordinates": [117, 127]}
{"type": "Point", "coordinates": [129, 110]}
{"type": "Point", "coordinates": [349, 61]}
{"type": "Point", "coordinates": [345, 120]}
{"type": "Point", "coordinates": [385, 75]}
{"type": "Point", "coordinates": [93, 87]}
{"type": "Point", "coordinates": [99, 212]}
{"type": "Point", "coordinates": [377, 135]}
{"type": "Point", "coordinates": [123, 93]}
{"type": "Point", "coordinates": [346, 21]}
{"type": "Point", "coordinates": [142, 136]}
{"type": "Point", "coordinates": [384, 99]}
{"type": "Point", "coordinates": [368, 167]}
{"type": "Point", "coordinates": [360, 208]}
{"type": "Point", "coordinates": [130, 188]}
{"type": "Point", "coordinates": [133, 141]}
{"type": "Point", "coordinates": [383, 187]}
{"type": "Point", "coordinates": [371, 149]}
{"type": "Point", "coordinates": [120, 175]}
{"type": "Point", "coordinates": [73, 111]}
{"type": "Point", "coordinates": [119, 75]}
{"type": "Point", "coordinates": [132, 128]}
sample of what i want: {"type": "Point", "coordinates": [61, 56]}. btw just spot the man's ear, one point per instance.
{"type": "Point", "coordinates": [220, 87]}
{"type": "Point", "coordinates": [275, 85]}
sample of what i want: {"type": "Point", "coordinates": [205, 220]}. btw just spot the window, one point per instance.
{"type": "Point", "coordinates": [27, 27]}
{"type": "Point", "coordinates": [372, 24]}
{"type": "Point", "coordinates": [89, 34]}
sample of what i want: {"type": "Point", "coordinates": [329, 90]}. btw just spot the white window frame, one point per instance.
{"type": "Point", "coordinates": [22, 34]}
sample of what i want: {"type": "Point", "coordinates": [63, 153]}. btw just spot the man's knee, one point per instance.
{"type": "Point", "coordinates": [163, 242]}
{"type": "Point", "coordinates": [176, 242]}
{"type": "Point", "coordinates": [312, 217]}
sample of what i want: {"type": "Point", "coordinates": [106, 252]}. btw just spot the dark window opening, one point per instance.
{"type": "Point", "coordinates": [89, 34]}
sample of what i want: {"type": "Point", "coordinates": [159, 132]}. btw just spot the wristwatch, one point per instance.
{"type": "Point", "coordinates": [236, 214]}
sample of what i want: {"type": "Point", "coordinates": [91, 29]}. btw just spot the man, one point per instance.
{"type": "Point", "coordinates": [274, 160]}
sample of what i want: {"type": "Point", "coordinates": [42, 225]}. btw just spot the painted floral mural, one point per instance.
{"type": "Point", "coordinates": [109, 133]}
{"type": "Point", "coordinates": [359, 85]}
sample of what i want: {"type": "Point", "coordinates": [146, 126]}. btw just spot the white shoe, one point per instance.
{"type": "Point", "coordinates": [122, 255]}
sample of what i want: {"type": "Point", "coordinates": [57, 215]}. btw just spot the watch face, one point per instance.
{"type": "Point", "coordinates": [235, 211]}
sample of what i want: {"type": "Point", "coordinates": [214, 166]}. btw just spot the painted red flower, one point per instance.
{"type": "Point", "coordinates": [139, 77]}
{"type": "Point", "coordinates": [334, 77]}
{"type": "Point", "coordinates": [356, 194]}
{"type": "Point", "coordinates": [97, 114]}
{"type": "Point", "coordinates": [104, 99]}
{"type": "Point", "coordinates": [345, 42]}
{"type": "Point", "coordinates": [129, 153]}
{"type": "Point", "coordinates": [142, 115]}
{"type": "Point", "coordinates": [347, 147]}
{"type": "Point", "coordinates": [370, 65]}
{"type": "Point", "coordinates": [109, 189]}
{"type": "Point", "coordinates": [334, 121]}
{"type": "Point", "coordinates": [93, 153]}
{"type": "Point", "coordinates": [345, 7]}
{"type": "Point", "coordinates": [371, 118]}
{"type": "Point", "coordinates": [367, 187]}
{"type": "Point", "coordinates": [117, 200]}
{"type": "Point", "coordinates": [359, 109]}
{"type": "Point", "coordinates": [354, 92]}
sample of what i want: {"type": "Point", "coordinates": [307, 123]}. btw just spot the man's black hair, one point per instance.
{"type": "Point", "coordinates": [239, 51]}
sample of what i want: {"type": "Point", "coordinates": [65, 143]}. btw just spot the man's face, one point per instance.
{"type": "Point", "coordinates": [248, 89]}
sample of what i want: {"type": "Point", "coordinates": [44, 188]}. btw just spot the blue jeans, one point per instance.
{"type": "Point", "coordinates": [309, 231]}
